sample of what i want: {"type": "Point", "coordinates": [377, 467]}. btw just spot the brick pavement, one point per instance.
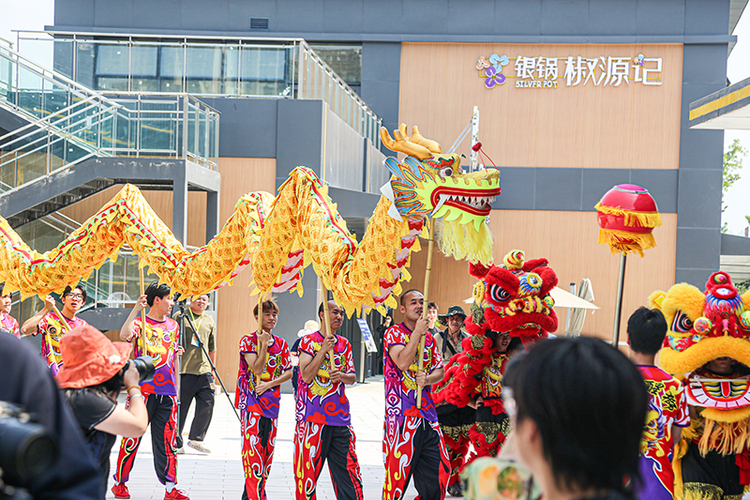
{"type": "Point", "coordinates": [218, 475]}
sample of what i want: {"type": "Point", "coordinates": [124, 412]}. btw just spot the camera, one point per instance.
{"type": "Point", "coordinates": [27, 450]}
{"type": "Point", "coordinates": [145, 367]}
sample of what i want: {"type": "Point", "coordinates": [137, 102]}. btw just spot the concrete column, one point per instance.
{"type": "Point", "coordinates": [212, 214]}
{"type": "Point", "coordinates": [179, 207]}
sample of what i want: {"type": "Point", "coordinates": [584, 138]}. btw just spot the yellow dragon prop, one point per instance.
{"type": "Point", "coordinates": [278, 237]}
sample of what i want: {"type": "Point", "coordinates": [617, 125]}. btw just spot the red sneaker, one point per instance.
{"type": "Point", "coordinates": [120, 491]}
{"type": "Point", "coordinates": [175, 494]}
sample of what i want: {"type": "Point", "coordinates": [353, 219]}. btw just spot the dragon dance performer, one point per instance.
{"type": "Point", "coordinates": [265, 364]}
{"type": "Point", "coordinates": [324, 430]}
{"type": "Point", "coordinates": [413, 444]}
{"type": "Point", "coordinates": [162, 344]}
{"type": "Point", "coordinates": [667, 407]}
{"type": "Point", "coordinates": [7, 322]}
{"type": "Point", "coordinates": [50, 325]}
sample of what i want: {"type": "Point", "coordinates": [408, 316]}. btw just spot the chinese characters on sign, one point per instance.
{"type": "Point", "coordinates": [543, 72]}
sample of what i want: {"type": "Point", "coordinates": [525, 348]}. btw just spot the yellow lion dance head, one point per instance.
{"type": "Point", "coordinates": [704, 326]}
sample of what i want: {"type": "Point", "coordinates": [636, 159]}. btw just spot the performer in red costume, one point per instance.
{"type": "Point", "coordinates": [324, 425]}
{"type": "Point", "coordinates": [413, 444]}
{"type": "Point", "coordinates": [265, 364]}
{"type": "Point", "coordinates": [512, 307]}
{"type": "Point", "coordinates": [7, 322]}
{"type": "Point", "coordinates": [47, 323]}
{"type": "Point", "coordinates": [162, 344]}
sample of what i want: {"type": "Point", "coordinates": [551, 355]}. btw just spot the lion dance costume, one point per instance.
{"type": "Point", "coordinates": [512, 298]}
{"type": "Point", "coordinates": [713, 460]}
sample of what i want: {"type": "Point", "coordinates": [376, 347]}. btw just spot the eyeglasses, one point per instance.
{"type": "Point", "coordinates": [76, 296]}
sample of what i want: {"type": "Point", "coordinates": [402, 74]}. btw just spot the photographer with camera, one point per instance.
{"type": "Point", "coordinates": [62, 470]}
{"type": "Point", "coordinates": [95, 370]}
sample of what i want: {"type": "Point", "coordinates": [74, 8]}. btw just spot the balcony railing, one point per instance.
{"type": "Point", "coordinates": [69, 123]}
{"type": "Point", "coordinates": [202, 66]}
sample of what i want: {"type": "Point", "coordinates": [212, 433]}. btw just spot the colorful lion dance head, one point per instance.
{"type": "Point", "coordinates": [703, 327]}
{"type": "Point", "coordinates": [515, 297]}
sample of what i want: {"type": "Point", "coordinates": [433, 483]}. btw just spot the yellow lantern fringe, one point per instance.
{"type": "Point", "coordinates": [625, 241]}
{"type": "Point", "coordinates": [632, 218]}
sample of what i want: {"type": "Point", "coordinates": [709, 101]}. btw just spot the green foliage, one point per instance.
{"type": "Point", "coordinates": [733, 163]}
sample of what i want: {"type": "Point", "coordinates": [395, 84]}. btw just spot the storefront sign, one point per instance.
{"type": "Point", "coordinates": [544, 72]}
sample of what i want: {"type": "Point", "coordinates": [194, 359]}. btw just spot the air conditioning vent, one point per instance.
{"type": "Point", "coordinates": [259, 23]}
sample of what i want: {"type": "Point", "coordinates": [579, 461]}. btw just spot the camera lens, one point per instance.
{"type": "Point", "coordinates": [27, 451]}
{"type": "Point", "coordinates": [145, 367]}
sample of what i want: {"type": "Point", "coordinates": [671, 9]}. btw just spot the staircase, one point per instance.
{"type": "Point", "coordinates": [61, 142]}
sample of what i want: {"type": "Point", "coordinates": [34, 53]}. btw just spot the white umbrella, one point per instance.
{"type": "Point", "coordinates": [578, 314]}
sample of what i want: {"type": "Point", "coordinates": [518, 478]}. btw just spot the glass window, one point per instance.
{"type": "Point", "coordinates": [143, 60]}
{"type": "Point", "coordinates": [345, 60]}
{"type": "Point", "coordinates": [263, 70]}
{"type": "Point", "coordinates": [111, 59]}
{"type": "Point", "coordinates": [85, 63]}
{"type": "Point", "coordinates": [63, 62]}
{"type": "Point", "coordinates": [204, 68]}
{"type": "Point", "coordinates": [171, 68]}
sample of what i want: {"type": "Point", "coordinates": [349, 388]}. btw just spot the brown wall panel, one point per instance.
{"type": "Point", "coordinates": [630, 126]}
{"type": "Point", "coordinates": [569, 241]}
{"type": "Point", "coordinates": [235, 317]}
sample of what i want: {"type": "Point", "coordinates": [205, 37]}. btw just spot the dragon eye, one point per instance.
{"type": "Point", "coordinates": [498, 293]}
{"type": "Point", "coordinates": [446, 172]}
{"type": "Point", "coordinates": [681, 323]}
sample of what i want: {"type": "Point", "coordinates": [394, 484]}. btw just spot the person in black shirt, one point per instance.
{"type": "Point", "coordinates": [26, 382]}
{"type": "Point", "coordinates": [92, 376]}
{"type": "Point", "coordinates": [578, 407]}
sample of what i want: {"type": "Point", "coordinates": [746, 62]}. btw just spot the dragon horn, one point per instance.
{"type": "Point", "coordinates": [417, 138]}
{"type": "Point", "coordinates": [403, 145]}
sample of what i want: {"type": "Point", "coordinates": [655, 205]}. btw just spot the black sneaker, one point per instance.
{"type": "Point", "coordinates": [455, 490]}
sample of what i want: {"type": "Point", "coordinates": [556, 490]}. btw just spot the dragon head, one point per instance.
{"type": "Point", "coordinates": [515, 297]}
{"type": "Point", "coordinates": [703, 327]}
{"type": "Point", "coordinates": [428, 183]}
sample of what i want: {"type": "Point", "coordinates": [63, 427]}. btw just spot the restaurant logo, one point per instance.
{"type": "Point", "coordinates": [540, 72]}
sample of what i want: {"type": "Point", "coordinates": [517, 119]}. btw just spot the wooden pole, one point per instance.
{"type": "Point", "coordinates": [618, 303]}
{"type": "Point", "coordinates": [63, 322]}
{"type": "Point", "coordinates": [426, 294]}
{"type": "Point", "coordinates": [260, 330]}
{"type": "Point", "coordinates": [327, 322]}
{"type": "Point", "coordinates": [143, 313]}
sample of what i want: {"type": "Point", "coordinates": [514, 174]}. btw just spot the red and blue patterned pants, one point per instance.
{"type": "Point", "coordinates": [415, 447]}
{"type": "Point", "coordinates": [316, 443]}
{"type": "Point", "coordinates": [162, 417]}
{"type": "Point", "coordinates": [258, 444]}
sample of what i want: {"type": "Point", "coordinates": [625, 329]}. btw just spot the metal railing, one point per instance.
{"type": "Point", "coordinates": [70, 123]}
{"type": "Point", "coordinates": [202, 66]}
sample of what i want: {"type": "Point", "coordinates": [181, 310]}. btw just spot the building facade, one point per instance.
{"type": "Point", "coordinates": [574, 97]}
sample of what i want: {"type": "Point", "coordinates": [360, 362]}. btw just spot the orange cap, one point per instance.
{"type": "Point", "coordinates": [89, 358]}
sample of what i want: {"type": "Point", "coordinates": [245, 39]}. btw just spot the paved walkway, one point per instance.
{"type": "Point", "coordinates": [218, 475]}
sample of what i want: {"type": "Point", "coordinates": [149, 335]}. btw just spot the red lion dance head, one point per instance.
{"type": "Point", "coordinates": [514, 298]}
